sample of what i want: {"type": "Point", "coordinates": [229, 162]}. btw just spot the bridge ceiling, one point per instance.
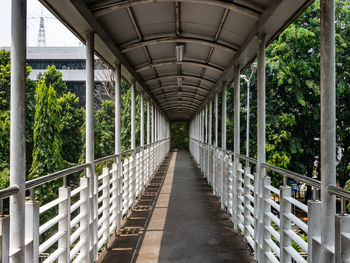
{"type": "Point", "coordinates": [179, 51]}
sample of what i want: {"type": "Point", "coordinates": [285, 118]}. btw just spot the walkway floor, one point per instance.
{"type": "Point", "coordinates": [177, 219]}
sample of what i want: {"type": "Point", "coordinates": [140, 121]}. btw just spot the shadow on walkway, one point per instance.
{"type": "Point", "coordinates": [177, 219]}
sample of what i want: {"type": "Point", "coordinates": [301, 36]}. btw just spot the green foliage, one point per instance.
{"type": "Point", "coordinates": [5, 74]}
{"type": "Point", "coordinates": [104, 130]}
{"type": "Point", "coordinates": [53, 77]}
{"type": "Point", "coordinates": [72, 118]}
{"type": "Point", "coordinates": [47, 151]}
{"type": "Point", "coordinates": [4, 138]}
{"type": "Point", "coordinates": [179, 135]}
{"type": "Point", "coordinates": [4, 148]}
{"type": "Point", "coordinates": [126, 118]}
{"type": "Point", "coordinates": [347, 187]}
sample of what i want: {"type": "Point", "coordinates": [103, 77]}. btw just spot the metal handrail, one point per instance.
{"type": "Point", "coordinates": [340, 192]}
{"type": "Point", "coordinates": [106, 158]}
{"type": "Point", "coordinates": [56, 175]}
{"type": "Point", "coordinates": [246, 158]}
{"type": "Point", "coordinates": [287, 173]}
{"type": "Point", "coordinates": [12, 190]}
{"type": "Point", "coordinates": [9, 191]}
{"type": "Point", "coordinates": [293, 175]}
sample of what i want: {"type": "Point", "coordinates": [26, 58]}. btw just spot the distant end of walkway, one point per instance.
{"type": "Point", "coordinates": [177, 219]}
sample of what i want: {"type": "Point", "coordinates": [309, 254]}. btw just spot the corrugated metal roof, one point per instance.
{"type": "Point", "coordinates": [143, 34]}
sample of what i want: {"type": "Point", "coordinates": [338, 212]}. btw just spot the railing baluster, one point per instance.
{"type": "Point", "coordinates": [84, 223]}
{"type": "Point", "coordinates": [4, 238]}
{"type": "Point", "coordinates": [222, 180]}
{"type": "Point", "coordinates": [285, 223]}
{"type": "Point", "coordinates": [314, 231]}
{"type": "Point", "coordinates": [246, 203]}
{"type": "Point", "coordinates": [266, 221]}
{"type": "Point", "coordinates": [106, 203]}
{"type": "Point", "coordinates": [64, 224]}
{"type": "Point", "coordinates": [32, 230]}
{"type": "Point", "coordinates": [342, 238]}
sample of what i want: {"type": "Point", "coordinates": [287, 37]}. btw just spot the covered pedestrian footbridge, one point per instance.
{"type": "Point", "coordinates": [180, 56]}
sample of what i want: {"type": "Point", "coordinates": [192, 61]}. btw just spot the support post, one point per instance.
{"type": "Point", "coordinates": [236, 143]}
{"type": "Point", "coordinates": [328, 127]}
{"type": "Point", "coordinates": [223, 116]}
{"type": "Point", "coordinates": [85, 221]}
{"type": "Point", "coordinates": [32, 230]}
{"type": "Point", "coordinates": [90, 142]}
{"type": "Point", "coordinates": [4, 238]}
{"type": "Point", "coordinates": [223, 141]}
{"type": "Point", "coordinates": [210, 141]}
{"type": "Point", "coordinates": [314, 231]}
{"type": "Point", "coordinates": [285, 224]}
{"type": "Point", "coordinates": [63, 225]}
{"type": "Point", "coordinates": [142, 143]}
{"type": "Point", "coordinates": [106, 203]}
{"type": "Point", "coordinates": [117, 146]}
{"type": "Point", "coordinates": [216, 118]}
{"type": "Point", "coordinates": [261, 144]}
{"type": "Point", "coordinates": [133, 142]}
{"type": "Point", "coordinates": [18, 124]}
{"type": "Point", "coordinates": [148, 141]}
{"type": "Point", "coordinates": [342, 242]}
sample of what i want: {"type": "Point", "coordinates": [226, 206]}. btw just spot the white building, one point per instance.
{"type": "Point", "coordinates": [68, 60]}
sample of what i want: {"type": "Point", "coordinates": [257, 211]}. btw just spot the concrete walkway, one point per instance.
{"type": "Point", "coordinates": [177, 220]}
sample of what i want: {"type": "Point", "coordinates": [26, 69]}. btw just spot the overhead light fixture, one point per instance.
{"type": "Point", "coordinates": [254, 66]}
{"type": "Point", "coordinates": [179, 81]}
{"type": "Point", "coordinates": [179, 51]}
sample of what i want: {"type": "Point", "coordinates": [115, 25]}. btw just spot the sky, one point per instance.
{"type": "Point", "coordinates": [56, 33]}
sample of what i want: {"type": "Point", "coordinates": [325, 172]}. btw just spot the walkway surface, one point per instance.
{"type": "Point", "coordinates": [177, 219]}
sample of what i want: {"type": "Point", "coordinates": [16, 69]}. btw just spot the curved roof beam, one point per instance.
{"type": "Point", "coordinates": [175, 39]}
{"type": "Point", "coordinates": [177, 91]}
{"type": "Point", "coordinates": [101, 9]}
{"type": "Point", "coordinates": [179, 105]}
{"type": "Point", "coordinates": [175, 108]}
{"type": "Point", "coordinates": [183, 86]}
{"type": "Point", "coordinates": [182, 98]}
{"type": "Point", "coordinates": [196, 78]}
{"type": "Point", "coordinates": [190, 63]}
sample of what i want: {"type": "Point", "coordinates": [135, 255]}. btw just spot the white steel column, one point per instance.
{"type": "Point", "coordinates": [206, 123]}
{"type": "Point", "coordinates": [148, 141]}
{"type": "Point", "coordinates": [142, 143]}
{"type": "Point", "coordinates": [210, 141]}
{"type": "Point", "coordinates": [148, 124]}
{"type": "Point", "coordinates": [152, 136]}
{"type": "Point", "coordinates": [236, 146]}
{"type": "Point", "coordinates": [223, 116]}
{"type": "Point", "coordinates": [133, 114]}
{"type": "Point", "coordinates": [18, 124]}
{"type": "Point", "coordinates": [142, 128]}
{"type": "Point", "coordinates": [117, 139]}
{"type": "Point", "coordinates": [90, 142]}
{"type": "Point", "coordinates": [328, 128]}
{"type": "Point", "coordinates": [157, 125]}
{"type": "Point", "coordinates": [260, 144]}
{"type": "Point", "coordinates": [223, 143]}
{"type": "Point", "coordinates": [216, 118]}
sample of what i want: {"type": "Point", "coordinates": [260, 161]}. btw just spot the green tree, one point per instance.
{"type": "Point", "coordinates": [54, 78]}
{"type": "Point", "coordinates": [5, 74]}
{"type": "Point", "coordinates": [104, 130]}
{"type": "Point", "coordinates": [47, 151]}
{"type": "Point", "coordinates": [72, 118]}
{"type": "Point", "coordinates": [179, 135]}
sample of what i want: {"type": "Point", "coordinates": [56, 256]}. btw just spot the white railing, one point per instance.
{"type": "Point", "coordinates": [275, 224]}
{"type": "Point", "coordinates": [80, 221]}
